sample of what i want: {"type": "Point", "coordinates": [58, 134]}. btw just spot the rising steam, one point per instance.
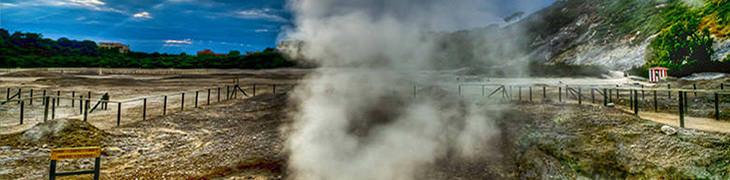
{"type": "Point", "coordinates": [357, 117]}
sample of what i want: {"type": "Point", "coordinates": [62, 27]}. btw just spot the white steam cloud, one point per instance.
{"type": "Point", "coordinates": [357, 118]}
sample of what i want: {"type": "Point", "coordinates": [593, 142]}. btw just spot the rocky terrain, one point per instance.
{"type": "Point", "coordinates": [594, 142]}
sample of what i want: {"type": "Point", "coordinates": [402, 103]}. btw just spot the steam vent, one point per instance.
{"type": "Point", "coordinates": [364, 90]}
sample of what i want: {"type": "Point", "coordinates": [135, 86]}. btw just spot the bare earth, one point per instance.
{"type": "Point", "coordinates": [243, 138]}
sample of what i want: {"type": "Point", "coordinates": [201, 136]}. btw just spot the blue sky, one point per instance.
{"type": "Point", "coordinates": [170, 26]}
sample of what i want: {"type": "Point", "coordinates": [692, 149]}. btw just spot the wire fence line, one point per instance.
{"type": "Point", "coordinates": [706, 103]}
{"type": "Point", "coordinates": [703, 103]}
{"type": "Point", "coordinates": [97, 111]}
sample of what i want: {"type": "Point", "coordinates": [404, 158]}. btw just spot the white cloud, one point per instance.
{"type": "Point", "coordinates": [182, 42]}
{"type": "Point", "coordinates": [96, 5]}
{"type": "Point", "coordinates": [261, 30]}
{"type": "Point", "coordinates": [7, 5]}
{"type": "Point", "coordinates": [91, 3]}
{"type": "Point", "coordinates": [142, 15]}
{"type": "Point", "coordinates": [266, 14]}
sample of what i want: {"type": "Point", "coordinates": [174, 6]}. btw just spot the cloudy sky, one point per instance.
{"type": "Point", "coordinates": [170, 26]}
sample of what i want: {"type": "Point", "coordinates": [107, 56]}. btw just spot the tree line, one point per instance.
{"type": "Point", "coordinates": [29, 50]}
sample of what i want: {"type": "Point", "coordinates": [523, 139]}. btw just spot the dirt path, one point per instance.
{"type": "Point", "coordinates": [704, 124]}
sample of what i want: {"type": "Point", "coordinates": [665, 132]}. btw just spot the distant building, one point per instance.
{"type": "Point", "coordinates": [208, 52]}
{"type": "Point", "coordinates": [657, 73]}
{"type": "Point", "coordinates": [123, 48]}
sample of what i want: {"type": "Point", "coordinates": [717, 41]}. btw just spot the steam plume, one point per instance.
{"type": "Point", "coordinates": [356, 117]}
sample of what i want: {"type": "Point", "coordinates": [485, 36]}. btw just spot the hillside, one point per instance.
{"type": "Point", "coordinates": [685, 36]}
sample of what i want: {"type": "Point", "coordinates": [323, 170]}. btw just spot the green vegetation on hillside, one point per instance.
{"type": "Point", "coordinates": [627, 17]}
{"type": "Point", "coordinates": [685, 41]}
{"type": "Point", "coordinates": [25, 50]}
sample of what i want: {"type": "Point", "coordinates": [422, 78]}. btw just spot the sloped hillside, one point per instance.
{"type": "Point", "coordinates": [688, 36]}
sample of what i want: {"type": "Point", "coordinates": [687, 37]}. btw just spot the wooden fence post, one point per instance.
{"type": "Point", "coordinates": [273, 89]}
{"type": "Point", "coordinates": [219, 94]}
{"type": "Point", "coordinates": [681, 109]}
{"type": "Point", "coordinates": [22, 109]}
{"type": "Point", "coordinates": [144, 109]}
{"type": "Point", "coordinates": [530, 93]}
{"type": "Point", "coordinates": [81, 104]}
{"type": "Point", "coordinates": [164, 105]}
{"type": "Point", "coordinates": [45, 109]}
{"type": "Point", "coordinates": [53, 109]}
{"type": "Point", "coordinates": [30, 102]}
{"type": "Point", "coordinates": [519, 94]}
{"type": "Point", "coordinates": [7, 95]}
{"type": "Point", "coordinates": [580, 96]}
{"type": "Point", "coordinates": [86, 109]}
{"type": "Point", "coordinates": [560, 94]}
{"type": "Point", "coordinates": [234, 91]}
{"type": "Point", "coordinates": [196, 99]}
{"type": "Point", "coordinates": [20, 94]}
{"type": "Point", "coordinates": [694, 86]}
{"type": "Point", "coordinates": [228, 92]}
{"type": "Point", "coordinates": [119, 113]}
{"type": "Point", "coordinates": [182, 102]}
{"type": "Point", "coordinates": [459, 89]}
{"type": "Point", "coordinates": [593, 95]}
{"type": "Point", "coordinates": [254, 89]}
{"type": "Point", "coordinates": [208, 97]}
{"type": "Point", "coordinates": [73, 98]}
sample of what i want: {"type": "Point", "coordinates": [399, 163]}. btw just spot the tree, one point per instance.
{"type": "Point", "coordinates": [234, 53]}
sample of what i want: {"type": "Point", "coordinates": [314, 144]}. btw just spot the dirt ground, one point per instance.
{"type": "Point", "coordinates": [242, 139]}
{"type": "Point", "coordinates": [125, 85]}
